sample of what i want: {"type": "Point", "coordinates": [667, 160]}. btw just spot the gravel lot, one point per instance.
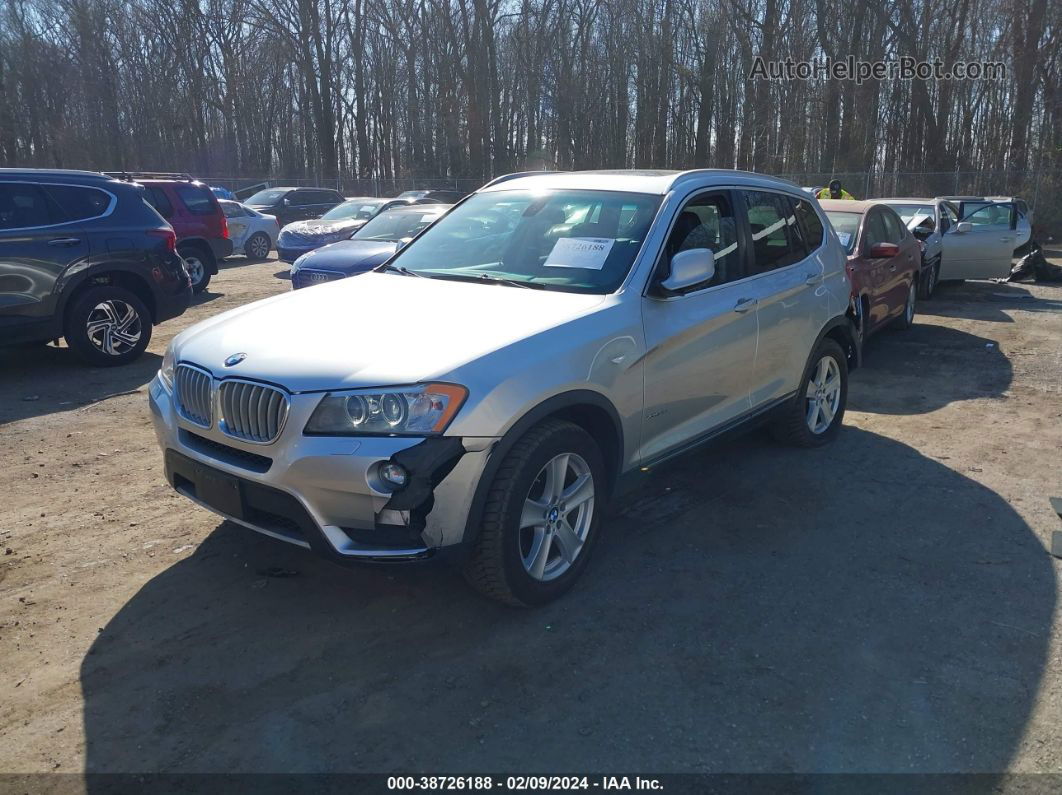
{"type": "Point", "coordinates": [884, 604]}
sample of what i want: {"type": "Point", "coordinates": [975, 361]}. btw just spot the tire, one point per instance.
{"type": "Point", "coordinates": [793, 425]}
{"type": "Point", "coordinates": [927, 284]}
{"type": "Point", "coordinates": [100, 329]}
{"type": "Point", "coordinates": [200, 266]}
{"type": "Point", "coordinates": [906, 318]}
{"type": "Point", "coordinates": [504, 564]}
{"type": "Point", "coordinates": [257, 246]}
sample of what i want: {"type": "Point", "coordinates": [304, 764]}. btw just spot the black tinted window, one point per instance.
{"type": "Point", "coordinates": [198, 199]}
{"type": "Point", "coordinates": [158, 199]}
{"type": "Point", "coordinates": [775, 243]}
{"type": "Point", "coordinates": [79, 203]}
{"type": "Point", "coordinates": [707, 222]}
{"type": "Point", "coordinates": [894, 230]}
{"type": "Point", "coordinates": [810, 223]}
{"type": "Point", "coordinates": [875, 231]}
{"type": "Point", "coordinates": [23, 206]}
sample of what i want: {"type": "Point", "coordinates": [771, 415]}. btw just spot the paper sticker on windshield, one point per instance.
{"type": "Point", "coordinates": [366, 208]}
{"type": "Point", "coordinates": [589, 253]}
{"type": "Point", "coordinates": [844, 237]}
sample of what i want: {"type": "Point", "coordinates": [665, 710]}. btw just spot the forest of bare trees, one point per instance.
{"type": "Point", "coordinates": [327, 89]}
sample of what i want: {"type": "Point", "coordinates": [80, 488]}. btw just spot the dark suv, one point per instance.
{"type": "Point", "coordinates": [294, 204]}
{"type": "Point", "coordinates": [83, 256]}
{"type": "Point", "coordinates": [192, 209]}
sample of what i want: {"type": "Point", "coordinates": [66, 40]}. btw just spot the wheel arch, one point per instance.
{"type": "Point", "coordinates": [103, 275]}
{"type": "Point", "coordinates": [203, 246]}
{"type": "Point", "coordinates": [841, 330]}
{"type": "Point", "coordinates": [590, 410]}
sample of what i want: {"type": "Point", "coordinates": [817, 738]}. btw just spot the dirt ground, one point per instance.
{"type": "Point", "coordinates": [885, 604]}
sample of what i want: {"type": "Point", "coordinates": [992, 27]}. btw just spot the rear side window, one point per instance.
{"type": "Point", "coordinates": [158, 199]}
{"type": "Point", "coordinates": [775, 243]}
{"type": "Point", "coordinates": [23, 206]}
{"type": "Point", "coordinates": [810, 223]}
{"type": "Point", "coordinates": [79, 203]}
{"type": "Point", "coordinates": [198, 199]}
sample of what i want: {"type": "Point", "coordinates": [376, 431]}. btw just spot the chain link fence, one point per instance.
{"type": "Point", "coordinates": [1041, 189]}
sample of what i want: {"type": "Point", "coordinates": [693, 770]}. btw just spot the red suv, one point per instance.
{"type": "Point", "coordinates": [193, 211]}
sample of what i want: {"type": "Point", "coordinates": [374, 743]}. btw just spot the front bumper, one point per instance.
{"type": "Point", "coordinates": [323, 493]}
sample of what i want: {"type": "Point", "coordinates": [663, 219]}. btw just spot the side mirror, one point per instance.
{"type": "Point", "coordinates": [690, 268]}
{"type": "Point", "coordinates": [883, 250]}
{"type": "Point", "coordinates": [287, 202]}
{"type": "Point", "coordinates": [963, 227]}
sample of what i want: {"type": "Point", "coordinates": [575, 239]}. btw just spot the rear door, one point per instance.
{"type": "Point", "coordinates": [783, 282]}
{"type": "Point", "coordinates": [38, 241]}
{"type": "Point", "coordinates": [986, 250]}
{"type": "Point", "coordinates": [701, 344]}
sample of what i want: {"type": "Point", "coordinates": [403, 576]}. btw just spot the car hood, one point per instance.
{"type": "Point", "coordinates": [349, 256]}
{"type": "Point", "coordinates": [322, 229]}
{"type": "Point", "coordinates": [377, 330]}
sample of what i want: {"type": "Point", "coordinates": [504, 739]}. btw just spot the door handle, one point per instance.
{"type": "Point", "coordinates": [745, 304]}
{"type": "Point", "coordinates": [64, 241]}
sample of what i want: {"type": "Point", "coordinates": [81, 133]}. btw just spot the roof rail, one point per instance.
{"type": "Point", "coordinates": [130, 176]}
{"type": "Point", "coordinates": [517, 175]}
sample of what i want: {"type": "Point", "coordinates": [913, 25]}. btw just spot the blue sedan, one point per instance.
{"type": "Point", "coordinates": [369, 246]}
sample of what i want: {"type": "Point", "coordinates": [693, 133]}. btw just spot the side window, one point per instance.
{"type": "Point", "coordinates": [874, 231]}
{"type": "Point", "coordinates": [894, 232]}
{"type": "Point", "coordinates": [992, 216]}
{"type": "Point", "coordinates": [79, 204]}
{"type": "Point", "coordinates": [24, 206]}
{"type": "Point", "coordinates": [196, 198]}
{"type": "Point", "coordinates": [158, 199]}
{"type": "Point", "coordinates": [706, 221]}
{"type": "Point", "coordinates": [773, 226]}
{"type": "Point", "coordinates": [810, 223]}
{"type": "Point", "coordinates": [948, 218]}
{"type": "Point", "coordinates": [299, 198]}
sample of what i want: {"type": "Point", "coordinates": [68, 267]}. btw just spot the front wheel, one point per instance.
{"type": "Point", "coordinates": [257, 246]}
{"type": "Point", "coordinates": [814, 416]}
{"type": "Point", "coordinates": [928, 283]}
{"type": "Point", "coordinates": [906, 319]}
{"type": "Point", "coordinates": [108, 326]}
{"type": "Point", "coordinates": [541, 516]}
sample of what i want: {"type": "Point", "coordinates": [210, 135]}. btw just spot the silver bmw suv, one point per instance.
{"type": "Point", "coordinates": [485, 389]}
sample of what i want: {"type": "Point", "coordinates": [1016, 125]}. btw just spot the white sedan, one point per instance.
{"type": "Point", "coordinates": [252, 233]}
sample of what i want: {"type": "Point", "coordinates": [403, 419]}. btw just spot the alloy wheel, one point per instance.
{"type": "Point", "coordinates": [556, 516]}
{"type": "Point", "coordinates": [823, 395]}
{"type": "Point", "coordinates": [259, 245]}
{"type": "Point", "coordinates": [909, 310]}
{"type": "Point", "coordinates": [196, 269]}
{"type": "Point", "coordinates": [113, 327]}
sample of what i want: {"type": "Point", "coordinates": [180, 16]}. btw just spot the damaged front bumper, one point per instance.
{"type": "Point", "coordinates": [325, 493]}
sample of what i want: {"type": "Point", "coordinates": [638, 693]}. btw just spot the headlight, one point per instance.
{"type": "Point", "coordinates": [421, 410]}
{"type": "Point", "coordinates": [166, 370]}
{"type": "Point", "coordinates": [299, 262]}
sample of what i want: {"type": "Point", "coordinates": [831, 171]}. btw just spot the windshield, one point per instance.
{"type": "Point", "coordinates": [847, 227]}
{"type": "Point", "coordinates": [571, 240]}
{"type": "Point", "coordinates": [359, 209]}
{"type": "Point", "coordinates": [269, 196]}
{"type": "Point", "coordinates": [395, 225]}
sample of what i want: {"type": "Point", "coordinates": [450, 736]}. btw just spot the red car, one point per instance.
{"type": "Point", "coordinates": [884, 259]}
{"type": "Point", "coordinates": [192, 209]}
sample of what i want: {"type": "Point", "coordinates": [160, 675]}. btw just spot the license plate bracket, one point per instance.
{"type": "Point", "coordinates": [220, 491]}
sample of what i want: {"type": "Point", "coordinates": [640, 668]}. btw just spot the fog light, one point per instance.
{"type": "Point", "coordinates": [394, 474]}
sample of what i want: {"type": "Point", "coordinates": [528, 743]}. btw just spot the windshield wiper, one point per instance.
{"type": "Point", "coordinates": [486, 277]}
{"type": "Point", "coordinates": [398, 269]}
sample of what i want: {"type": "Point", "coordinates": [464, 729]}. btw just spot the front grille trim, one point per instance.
{"type": "Point", "coordinates": [193, 388]}
{"type": "Point", "coordinates": [251, 411]}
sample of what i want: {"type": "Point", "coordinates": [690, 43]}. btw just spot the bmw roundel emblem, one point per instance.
{"type": "Point", "coordinates": [235, 359]}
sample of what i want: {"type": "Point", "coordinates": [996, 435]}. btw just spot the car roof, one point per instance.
{"type": "Point", "coordinates": [55, 174]}
{"type": "Point", "coordinates": [418, 208]}
{"type": "Point", "coordinates": [363, 199]}
{"type": "Point", "coordinates": [637, 180]}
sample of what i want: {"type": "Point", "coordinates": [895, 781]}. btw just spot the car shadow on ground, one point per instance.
{"type": "Point", "coordinates": [989, 301]}
{"type": "Point", "coordinates": [285, 275]}
{"type": "Point", "coordinates": [892, 377]}
{"type": "Point", "coordinates": [44, 379]}
{"type": "Point", "coordinates": [751, 608]}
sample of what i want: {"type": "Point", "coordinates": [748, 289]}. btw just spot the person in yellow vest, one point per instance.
{"type": "Point", "coordinates": [834, 191]}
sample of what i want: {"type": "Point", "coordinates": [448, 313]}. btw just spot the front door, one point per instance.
{"type": "Point", "coordinates": [986, 250]}
{"type": "Point", "coordinates": [701, 344]}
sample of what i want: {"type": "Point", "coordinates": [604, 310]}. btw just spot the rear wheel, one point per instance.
{"type": "Point", "coordinates": [814, 416]}
{"type": "Point", "coordinates": [929, 278]}
{"type": "Point", "coordinates": [108, 326]}
{"type": "Point", "coordinates": [257, 246]}
{"type": "Point", "coordinates": [541, 517]}
{"type": "Point", "coordinates": [199, 266]}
